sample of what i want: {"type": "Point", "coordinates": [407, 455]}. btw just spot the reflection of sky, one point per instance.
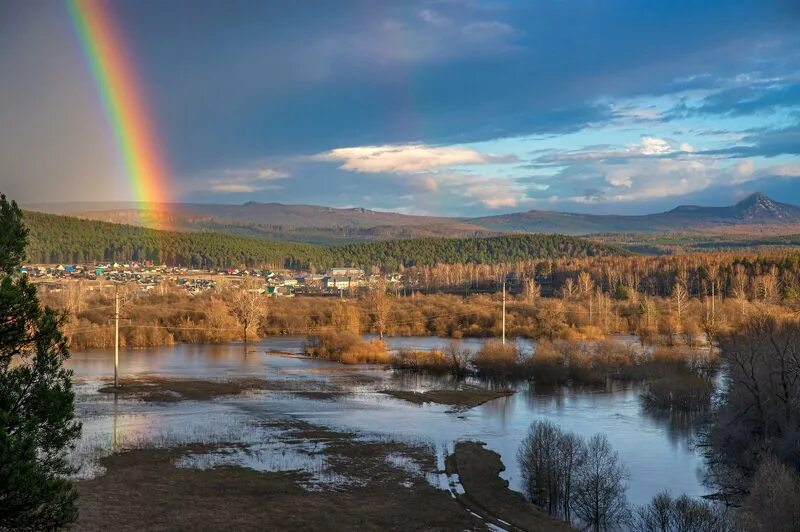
{"type": "Point", "coordinates": [656, 452]}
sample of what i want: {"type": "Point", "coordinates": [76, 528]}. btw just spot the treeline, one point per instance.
{"type": "Point", "coordinates": [62, 239]}
{"type": "Point", "coordinates": [398, 254]}
{"type": "Point", "coordinates": [58, 239]}
{"type": "Point", "coordinates": [768, 277]}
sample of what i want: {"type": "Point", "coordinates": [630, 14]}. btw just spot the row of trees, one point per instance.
{"type": "Point", "coordinates": [584, 483]}
{"type": "Point", "coordinates": [60, 239]}
{"type": "Point", "coordinates": [754, 441]}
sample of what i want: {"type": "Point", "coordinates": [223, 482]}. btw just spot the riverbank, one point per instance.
{"type": "Point", "coordinates": [486, 494]}
{"type": "Point", "coordinates": [382, 486]}
{"type": "Point", "coordinates": [239, 403]}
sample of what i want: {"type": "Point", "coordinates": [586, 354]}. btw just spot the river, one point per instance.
{"type": "Point", "coordinates": [657, 452]}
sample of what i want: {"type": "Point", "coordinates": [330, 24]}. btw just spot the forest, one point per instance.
{"type": "Point", "coordinates": [58, 239]}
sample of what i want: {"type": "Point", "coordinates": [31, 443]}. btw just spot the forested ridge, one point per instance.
{"type": "Point", "coordinates": [64, 239]}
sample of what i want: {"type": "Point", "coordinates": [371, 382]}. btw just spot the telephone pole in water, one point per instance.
{"type": "Point", "coordinates": [116, 337]}
{"type": "Point", "coordinates": [504, 313]}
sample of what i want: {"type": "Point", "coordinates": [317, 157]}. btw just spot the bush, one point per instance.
{"type": "Point", "coordinates": [495, 359]}
{"type": "Point", "coordinates": [774, 502]}
{"type": "Point", "coordinates": [452, 360]}
{"type": "Point", "coordinates": [347, 348]}
{"type": "Point", "coordinates": [666, 514]}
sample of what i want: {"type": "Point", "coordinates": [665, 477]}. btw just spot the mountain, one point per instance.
{"type": "Point", "coordinates": [755, 210]}
{"type": "Point", "coordinates": [322, 225]}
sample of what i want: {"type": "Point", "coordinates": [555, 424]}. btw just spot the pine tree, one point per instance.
{"type": "Point", "coordinates": [37, 425]}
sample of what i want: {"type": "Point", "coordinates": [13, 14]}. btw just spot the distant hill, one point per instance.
{"type": "Point", "coordinates": [756, 209]}
{"type": "Point", "coordinates": [64, 239]}
{"type": "Point", "coordinates": [326, 225]}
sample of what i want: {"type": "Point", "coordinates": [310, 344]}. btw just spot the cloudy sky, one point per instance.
{"type": "Point", "coordinates": [457, 107]}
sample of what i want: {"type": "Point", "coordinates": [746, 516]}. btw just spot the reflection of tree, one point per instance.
{"type": "Point", "coordinates": [681, 426]}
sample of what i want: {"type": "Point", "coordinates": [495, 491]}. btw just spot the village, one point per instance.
{"type": "Point", "coordinates": [147, 277]}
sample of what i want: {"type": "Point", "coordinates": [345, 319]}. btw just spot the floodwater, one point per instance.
{"type": "Point", "coordinates": [657, 452]}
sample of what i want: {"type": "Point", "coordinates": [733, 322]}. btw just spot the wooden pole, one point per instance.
{"type": "Point", "coordinates": [116, 337]}
{"type": "Point", "coordinates": [504, 313]}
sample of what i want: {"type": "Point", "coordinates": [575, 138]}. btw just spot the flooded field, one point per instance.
{"type": "Point", "coordinates": [257, 428]}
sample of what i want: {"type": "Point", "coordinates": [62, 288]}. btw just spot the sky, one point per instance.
{"type": "Point", "coordinates": [447, 107]}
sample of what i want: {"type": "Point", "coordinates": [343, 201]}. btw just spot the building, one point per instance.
{"type": "Point", "coordinates": [346, 272]}
{"type": "Point", "coordinates": [339, 283]}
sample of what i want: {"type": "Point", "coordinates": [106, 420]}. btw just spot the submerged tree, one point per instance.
{"type": "Point", "coordinates": [37, 424]}
{"type": "Point", "coordinates": [681, 514]}
{"type": "Point", "coordinates": [246, 305]}
{"type": "Point", "coordinates": [550, 459]}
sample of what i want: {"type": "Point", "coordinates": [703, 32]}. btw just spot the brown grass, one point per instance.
{"type": "Point", "coordinates": [495, 359]}
{"type": "Point", "coordinates": [143, 490]}
{"type": "Point", "coordinates": [488, 495]}
{"type": "Point", "coordinates": [347, 348]}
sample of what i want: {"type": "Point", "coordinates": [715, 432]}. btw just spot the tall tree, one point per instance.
{"type": "Point", "coordinates": [246, 305]}
{"type": "Point", "coordinates": [599, 500]}
{"type": "Point", "coordinates": [37, 425]}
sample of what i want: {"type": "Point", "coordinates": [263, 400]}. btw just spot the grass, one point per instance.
{"type": "Point", "coordinates": [497, 360]}
{"type": "Point", "coordinates": [155, 389]}
{"type": "Point", "coordinates": [488, 495]}
{"type": "Point", "coordinates": [347, 348]}
{"type": "Point", "coordinates": [450, 361]}
{"type": "Point", "coordinates": [144, 490]}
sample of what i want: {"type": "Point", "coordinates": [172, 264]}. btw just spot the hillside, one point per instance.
{"type": "Point", "coordinates": [327, 225]}
{"type": "Point", "coordinates": [755, 210]}
{"type": "Point", "coordinates": [63, 239]}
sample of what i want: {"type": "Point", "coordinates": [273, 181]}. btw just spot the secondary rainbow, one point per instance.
{"type": "Point", "coordinates": [122, 98]}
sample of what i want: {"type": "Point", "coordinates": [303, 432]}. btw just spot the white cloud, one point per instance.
{"type": "Point", "coordinates": [649, 147]}
{"type": "Point", "coordinates": [407, 158]}
{"type": "Point", "coordinates": [654, 146]}
{"type": "Point", "coordinates": [619, 179]}
{"type": "Point", "coordinates": [244, 180]}
{"type": "Point", "coordinates": [270, 173]}
{"type": "Point", "coordinates": [232, 188]}
{"type": "Point", "coordinates": [501, 201]}
{"type": "Point", "coordinates": [428, 183]}
{"type": "Point", "coordinates": [434, 18]}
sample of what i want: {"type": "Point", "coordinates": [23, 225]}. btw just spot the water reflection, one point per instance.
{"type": "Point", "coordinates": [655, 448]}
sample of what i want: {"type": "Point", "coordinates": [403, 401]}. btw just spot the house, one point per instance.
{"type": "Point", "coordinates": [346, 272]}
{"type": "Point", "coordinates": [338, 283]}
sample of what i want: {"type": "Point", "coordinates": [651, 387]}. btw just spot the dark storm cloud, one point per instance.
{"type": "Point", "coordinates": [253, 85]}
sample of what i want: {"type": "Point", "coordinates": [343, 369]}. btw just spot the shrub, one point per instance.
{"type": "Point", "coordinates": [495, 359]}
{"type": "Point", "coordinates": [452, 360]}
{"type": "Point", "coordinates": [683, 513]}
{"type": "Point", "coordinates": [347, 348]}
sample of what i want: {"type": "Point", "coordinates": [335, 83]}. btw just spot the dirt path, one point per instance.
{"type": "Point", "coordinates": [488, 495]}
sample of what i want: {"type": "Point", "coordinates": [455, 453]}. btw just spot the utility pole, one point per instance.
{"type": "Point", "coordinates": [504, 313]}
{"type": "Point", "coordinates": [116, 337]}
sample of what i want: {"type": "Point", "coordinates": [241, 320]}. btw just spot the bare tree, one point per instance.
{"type": "Point", "coordinates": [774, 502]}
{"type": "Point", "coordinates": [380, 305]}
{"type": "Point", "coordinates": [541, 474]}
{"type": "Point", "coordinates": [680, 298]}
{"type": "Point", "coordinates": [682, 514]}
{"type": "Point", "coordinates": [599, 500]}
{"type": "Point", "coordinates": [549, 459]}
{"type": "Point", "coordinates": [761, 405]}
{"type": "Point", "coordinates": [246, 305]}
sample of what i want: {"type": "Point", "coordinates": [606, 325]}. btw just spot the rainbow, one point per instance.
{"type": "Point", "coordinates": [122, 99]}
